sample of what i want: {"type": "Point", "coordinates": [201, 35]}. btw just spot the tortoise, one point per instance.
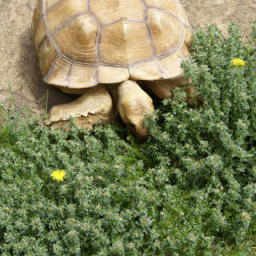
{"type": "Point", "coordinates": [101, 48]}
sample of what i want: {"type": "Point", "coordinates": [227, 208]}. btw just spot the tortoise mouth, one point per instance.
{"type": "Point", "coordinates": [140, 132]}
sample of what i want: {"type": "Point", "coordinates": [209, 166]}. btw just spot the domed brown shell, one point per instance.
{"type": "Point", "coordinates": [81, 43]}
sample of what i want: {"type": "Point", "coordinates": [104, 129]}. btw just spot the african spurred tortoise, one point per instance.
{"type": "Point", "coordinates": [100, 48]}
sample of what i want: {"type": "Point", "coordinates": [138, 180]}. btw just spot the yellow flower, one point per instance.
{"type": "Point", "coordinates": [238, 62]}
{"type": "Point", "coordinates": [58, 175]}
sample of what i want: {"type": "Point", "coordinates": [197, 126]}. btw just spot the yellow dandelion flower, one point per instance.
{"type": "Point", "coordinates": [58, 175]}
{"type": "Point", "coordinates": [238, 62]}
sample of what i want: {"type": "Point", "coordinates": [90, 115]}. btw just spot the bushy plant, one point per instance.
{"type": "Point", "coordinates": [208, 152]}
{"type": "Point", "coordinates": [189, 190]}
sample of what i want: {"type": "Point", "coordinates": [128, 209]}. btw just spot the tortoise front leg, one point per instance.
{"type": "Point", "coordinates": [93, 106]}
{"type": "Point", "coordinates": [133, 105]}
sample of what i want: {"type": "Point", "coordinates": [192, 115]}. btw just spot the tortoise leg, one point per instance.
{"type": "Point", "coordinates": [93, 106]}
{"type": "Point", "coordinates": [163, 88]}
{"type": "Point", "coordinates": [133, 105]}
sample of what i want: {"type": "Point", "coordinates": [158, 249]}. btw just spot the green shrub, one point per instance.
{"type": "Point", "coordinates": [208, 153]}
{"type": "Point", "coordinates": [189, 190]}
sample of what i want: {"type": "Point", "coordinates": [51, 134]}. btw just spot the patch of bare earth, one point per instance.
{"type": "Point", "coordinates": [222, 12]}
{"type": "Point", "coordinates": [19, 64]}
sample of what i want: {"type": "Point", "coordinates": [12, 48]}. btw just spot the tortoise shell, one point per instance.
{"type": "Point", "coordinates": [81, 43]}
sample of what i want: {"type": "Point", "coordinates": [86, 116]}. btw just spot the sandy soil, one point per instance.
{"type": "Point", "coordinates": [19, 65]}
{"type": "Point", "coordinates": [222, 12]}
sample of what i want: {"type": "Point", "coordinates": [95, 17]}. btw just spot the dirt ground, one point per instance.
{"type": "Point", "coordinates": [19, 65]}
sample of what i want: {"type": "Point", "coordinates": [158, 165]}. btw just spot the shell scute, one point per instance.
{"type": "Point", "coordinates": [145, 70]}
{"type": "Point", "coordinates": [46, 54]}
{"type": "Point", "coordinates": [172, 64]}
{"type": "Point", "coordinates": [39, 30]}
{"type": "Point", "coordinates": [112, 74]}
{"type": "Point", "coordinates": [111, 11]}
{"type": "Point", "coordinates": [59, 71]}
{"type": "Point", "coordinates": [77, 40]}
{"type": "Point", "coordinates": [167, 32]}
{"type": "Point", "coordinates": [37, 15]}
{"type": "Point", "coordinates": [51, 3]}
{"type": "Point", "coordinates": [63, 13]}
{"type": "Point", "coordinates": [172, 7]}
{"type": "Point", "coordinates": [125, 43]}
{"type": "Point", "coordinates": [82, 76]}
